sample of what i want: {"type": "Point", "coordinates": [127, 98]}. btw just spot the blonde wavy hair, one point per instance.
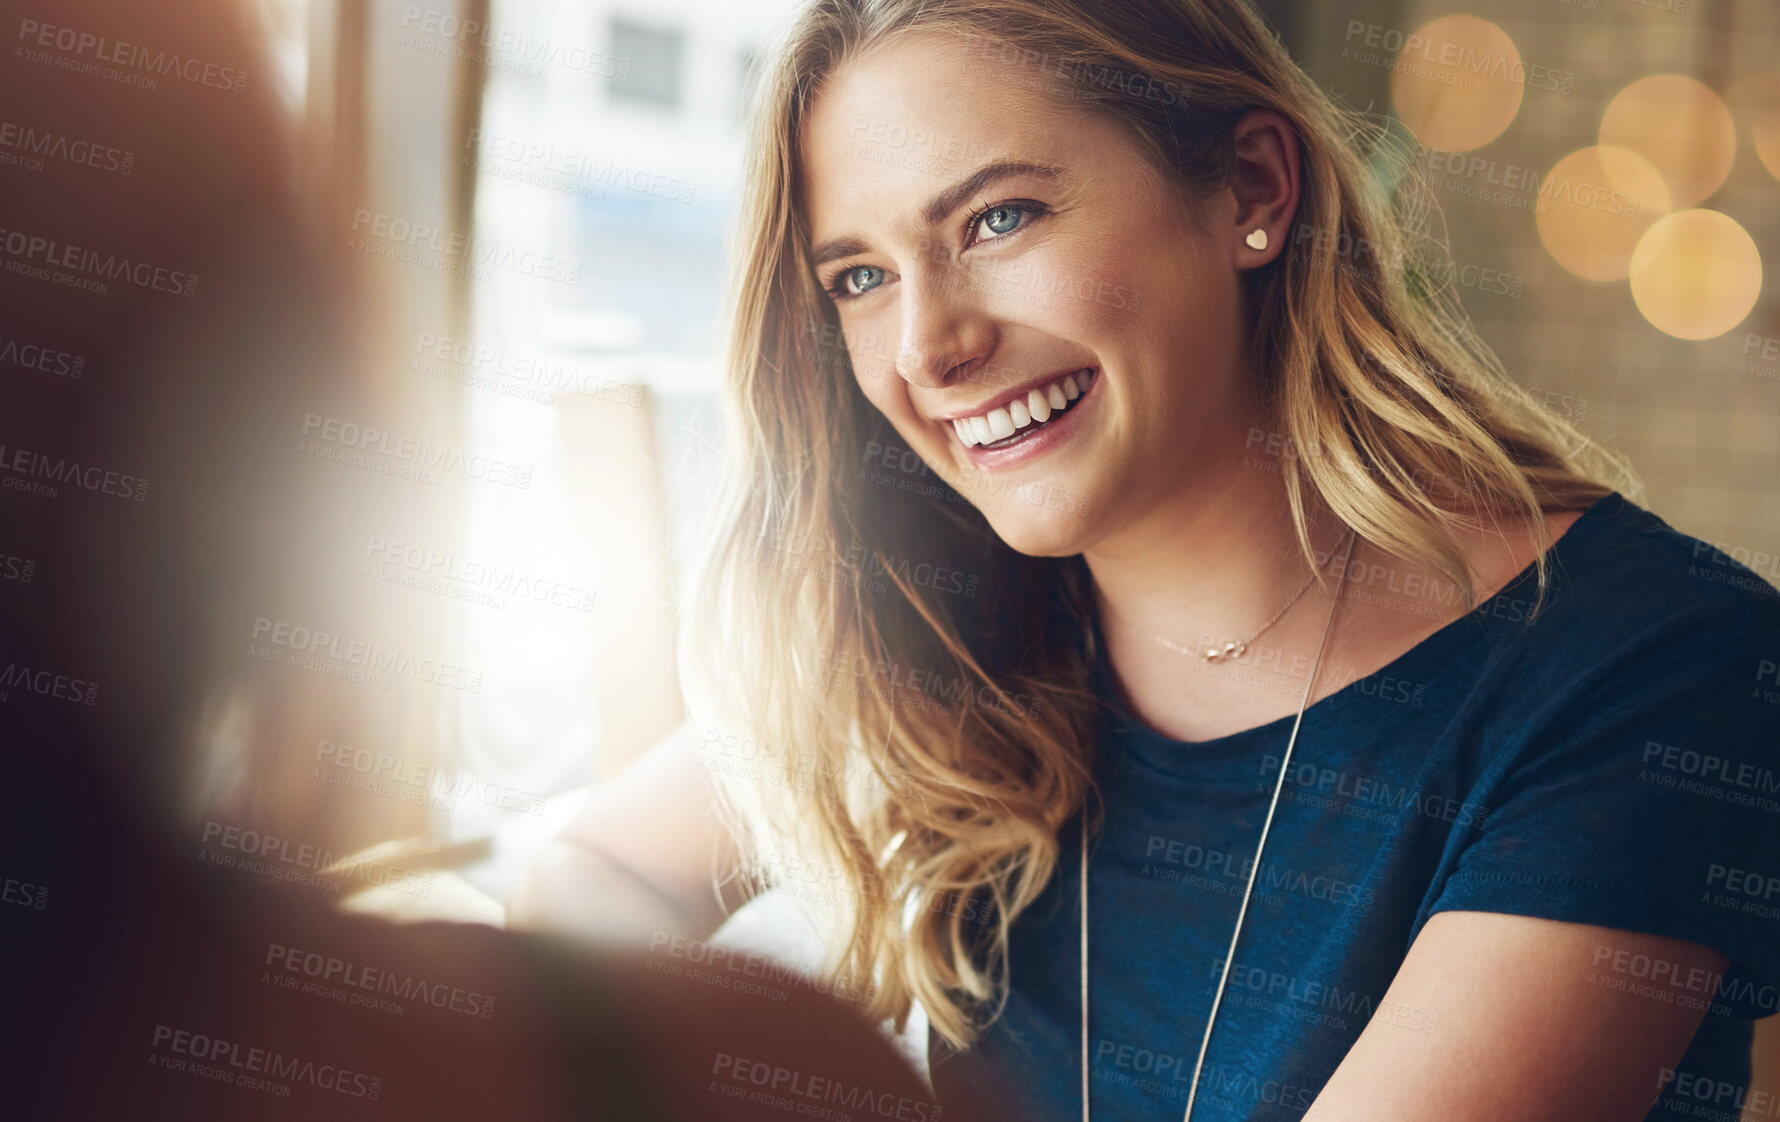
{"type": "Point", "coordinates": [913, 753]}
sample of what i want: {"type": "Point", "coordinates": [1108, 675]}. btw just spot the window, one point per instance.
{"type": "Point", "coordinates": [606, 386]}
{"type": "Point", "coordinates": [653, 76]}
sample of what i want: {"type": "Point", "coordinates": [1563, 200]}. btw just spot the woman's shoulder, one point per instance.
{"type": "Point", "coordinates": [1634, 601]}
{"type": "Point", "coordinates": [1627, 569]}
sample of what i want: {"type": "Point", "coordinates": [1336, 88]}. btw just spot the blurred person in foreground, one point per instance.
{"type": "Point", "coordinates": [1108, 489]}
{"type": "Point", "coordinates": [169, 311]}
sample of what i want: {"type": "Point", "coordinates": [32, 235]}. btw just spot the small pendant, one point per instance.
{"type": "Point", "coordinates": [1230, 650]}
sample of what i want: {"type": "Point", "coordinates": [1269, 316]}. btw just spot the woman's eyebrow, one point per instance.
{"type": "Point", "coordinates": [944, 203]}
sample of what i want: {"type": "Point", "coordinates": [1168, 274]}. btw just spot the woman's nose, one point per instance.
{"type": "Point", "coordinates": [944, 335]}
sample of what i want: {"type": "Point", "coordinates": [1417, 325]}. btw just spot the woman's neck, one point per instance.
{"type": "Point", "coordinates": [1210, 569]}
{"type": "Point", "coordinates": [1215, 566]}
{"type": "Point", "coordinates": [1210, 566]}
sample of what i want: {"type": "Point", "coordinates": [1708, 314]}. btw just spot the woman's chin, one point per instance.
{"type": "Point", "coordinates": [1038, 530]}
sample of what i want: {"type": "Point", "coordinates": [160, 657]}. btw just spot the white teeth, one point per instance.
{"type": "Point", "coordinates": [1037, 407]}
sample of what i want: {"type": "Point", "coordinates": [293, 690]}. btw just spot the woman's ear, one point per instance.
{"type": "Point", "coordinates": [1264, 184]}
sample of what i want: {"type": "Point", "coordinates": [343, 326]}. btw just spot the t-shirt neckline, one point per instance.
{"type": "Point", "coordinates": [1434, 652]}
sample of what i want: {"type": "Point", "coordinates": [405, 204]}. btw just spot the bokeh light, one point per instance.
{"type": "Point", "coordinates": [1681, 127]}
{"type": "Point", "coordinates": [1755, 102]}
{"type": "Point", "coordinates": [1456, 83]}
{"type": "Point", "coordinates": [1696, 274]}
{"type": "Point", "coordinates": [1765, 135]}
{"type": "Point", "coordinates": [1595, 205]}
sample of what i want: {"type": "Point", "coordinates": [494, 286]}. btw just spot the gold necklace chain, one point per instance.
{"type": "Point", "coordinates": [1254, 868]}
{"type": "Point", "coordinates": [1234, 648]}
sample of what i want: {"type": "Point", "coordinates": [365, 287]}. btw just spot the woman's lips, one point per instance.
{"type": "Point", "coordinates": [1037, 438]}
{"type": "Point", "coordinates": [1024, 415]}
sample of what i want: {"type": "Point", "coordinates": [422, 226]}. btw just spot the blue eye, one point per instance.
{"type": "Point", "coordinates": [1000, 220]}
{"type": "Point", "coordinates": [841, 289]}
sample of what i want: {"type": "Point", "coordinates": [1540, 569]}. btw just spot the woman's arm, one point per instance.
{"type": "Point", "coordinates": [636, 862]}
{"type": "Point", "coordinates": [1526, 1024]}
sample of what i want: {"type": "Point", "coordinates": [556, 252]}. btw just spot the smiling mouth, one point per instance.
{"type": "Point", "coordinates": [1018, 420]}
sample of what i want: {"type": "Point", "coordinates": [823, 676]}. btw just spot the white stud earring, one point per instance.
{"type": "Point", "coordinates": [1257, 239]}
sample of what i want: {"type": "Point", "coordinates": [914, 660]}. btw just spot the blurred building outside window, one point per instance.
{"type": "Point", "coordinates": [611, 138]}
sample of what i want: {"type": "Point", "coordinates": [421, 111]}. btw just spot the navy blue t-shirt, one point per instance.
{"type": "Point", "coordinates": [1614, 762]}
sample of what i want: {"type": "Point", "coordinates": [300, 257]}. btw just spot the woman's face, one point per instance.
{"type": "Point", "coordinates": [1079, 263]}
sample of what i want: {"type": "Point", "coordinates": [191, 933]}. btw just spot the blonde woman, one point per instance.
{"type": "Point", "coordinates": [1106, 476]}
